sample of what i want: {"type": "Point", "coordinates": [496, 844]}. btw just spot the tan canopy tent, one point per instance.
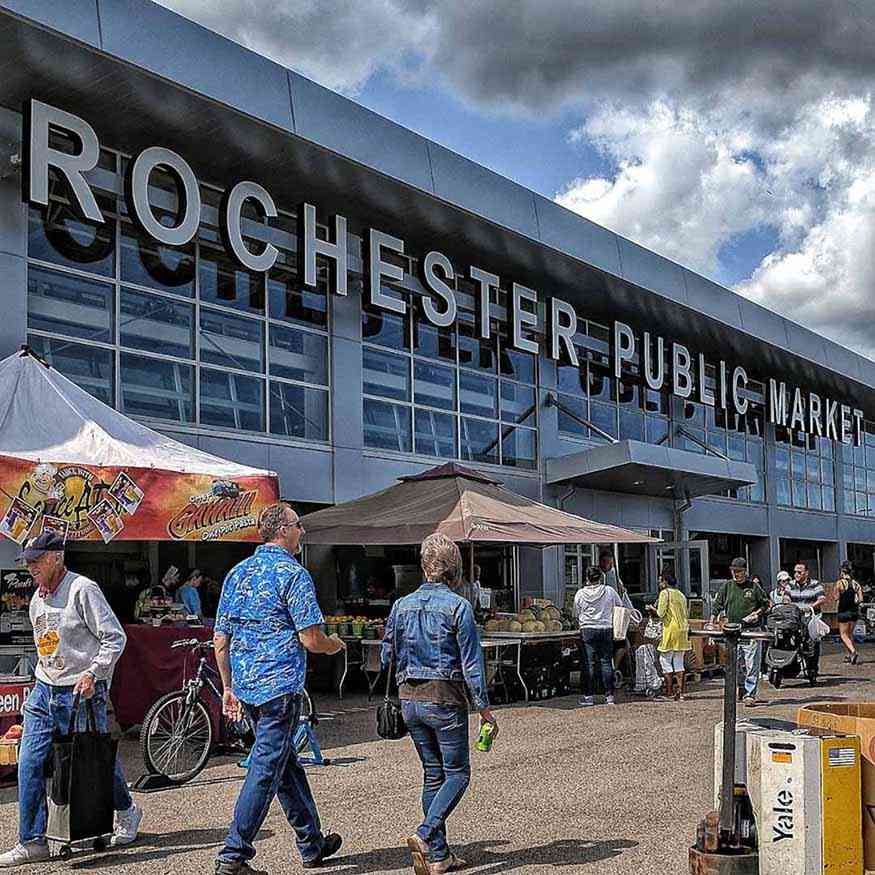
{"type": "Point", "coordinates": [463, 504]}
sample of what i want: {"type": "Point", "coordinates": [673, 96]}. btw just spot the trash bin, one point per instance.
{"type": "Point", "coordinates": [852, 719]}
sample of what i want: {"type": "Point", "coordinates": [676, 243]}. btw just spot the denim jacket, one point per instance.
{"type": "Point", "coordinates": [433, 636]}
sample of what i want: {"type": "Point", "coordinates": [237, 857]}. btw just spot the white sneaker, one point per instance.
{"type": "Point", "coordinates": [32, 852]}
{"type": "Point", "coordinates": [609, 700]}
{"type": "Point", "coordinates": [127, 825]}
{"type": "Point", "coordinates": [586, 701]}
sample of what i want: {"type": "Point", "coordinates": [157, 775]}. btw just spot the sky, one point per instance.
{"type": "Point", "coordinates": [735, 137]}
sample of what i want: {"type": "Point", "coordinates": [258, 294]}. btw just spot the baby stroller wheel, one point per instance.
{"type": "Point", "coordinates": [100, 844]}
{"type": "Point", "coordinates": [65, 852]}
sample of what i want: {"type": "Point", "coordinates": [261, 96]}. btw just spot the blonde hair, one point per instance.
{"type": "Point", "coordinates": [441, 560]}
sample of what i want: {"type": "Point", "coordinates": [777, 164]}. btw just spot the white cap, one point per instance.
{"type": "Point", "coordinates": [784, 575]}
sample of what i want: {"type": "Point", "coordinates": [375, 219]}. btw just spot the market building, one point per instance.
{"type": "Point", "coordinates": [263, 269]}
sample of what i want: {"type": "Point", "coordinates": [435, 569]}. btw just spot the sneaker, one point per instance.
{"type": "Point", "coordinates": [237, 867]}
{"type": "Point", "coordinates": [749, 702]}
{"type": "Point", "coordinates": [127, 825]}
{"type": "Point", "coordinates": [330, 847]}
{"type": "Point", "coordinates": [32, 852]}
{"type": "Point", "coordinates": [450, 864]}
{"type": "Point", "coordinates": [586, 701]}
{"type": "Point", "coordinates": [609, 700]}
{"type": "Point", "coordinates": [419, 852]}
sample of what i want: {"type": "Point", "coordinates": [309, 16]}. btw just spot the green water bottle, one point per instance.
{"type": "Point", "coordinates": [487, 736]}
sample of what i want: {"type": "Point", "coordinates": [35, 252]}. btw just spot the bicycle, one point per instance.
{"type": "Point", "coordinates": [178, 732]}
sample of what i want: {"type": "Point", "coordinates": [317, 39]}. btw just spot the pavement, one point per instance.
{"type": "Point", "coordinates": [598, 790]}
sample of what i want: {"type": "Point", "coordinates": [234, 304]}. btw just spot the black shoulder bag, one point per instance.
{"type": "Point", "coordinates": [390, 720]}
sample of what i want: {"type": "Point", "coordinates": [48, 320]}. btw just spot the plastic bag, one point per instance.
{"type": "Point", "coordinates": [817, 629]}
{"type": "Point", "coordinates": [860, 632]}
{"type": "Point", "coordinates": [653, 630]}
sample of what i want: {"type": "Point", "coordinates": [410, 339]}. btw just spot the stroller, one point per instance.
{"type": "Point", "coordinates": [792, 651]}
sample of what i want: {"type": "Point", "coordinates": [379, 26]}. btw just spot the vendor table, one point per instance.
{"type": "Point", "coordinates": [149, 668]}
{"type": "Point", "coordinates": [521, 639]}
{"type": "Point", "coordinates": [497, 663]}
{"type": "Point", "coordinates": [12, 699]}
{"type": "Point", "coordinates": [364, 653]}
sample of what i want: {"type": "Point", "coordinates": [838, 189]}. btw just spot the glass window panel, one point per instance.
{"type": "Point", "coordinates": [291, 301]}
{"type": "Point", "coordinates": [800, 493]}
{"type": "Point", "coordinates": [860, 479]}
{"type": "Point", "coordinates": [517, 403]}
{"type": "Point", "coordinates": [862, 503]}
{"type": "Point", "coordinates": [757, 492]}
{"type": "Point", "coordinates": [474, 352]}
{"type": "Point", "coordinates": [631, 424]}
{"type": "Point", "coordinates": [434, 342]}
{"type": "Point", "coordinates": [64, 304]}
{"type": "Point", "coordinates": [385, 329]}
{"type": "Point", "coordinates": [859, 455]}
{"type": "Point", "coordinates": [829, 498]}
{"type": "Point", "coordinates": [798, 460]}
{"type": "Point", "coordinates": [386, 426]}
{"type": "Point", "coordinates": [148, 263]}
{"type": "Point", "coordinates": [755, 453]}
{"type": "Point", "coordinates": [782, 460]}
{"type": "Point", "coordinates": [518, 448]}
{"type": "Point", "coordinates": [870, 481]}
{"type": "Point", "coordinates": [601, 383]}
{"type": "Point", "coordinates": [826, 471]}
{"type": "Point", "coordinates": [848, 476]}
{"type": "Point", "coordinates": [479, 440]}
{"type": "Point", "coordinates": [156, 324]}
{"type": "Point", "coordinates": [57, 235]}
{"type": "Point", "coordinates": [694, 414]}
{"type": "Point", "coordinates": [782, 487]}
{"type": "Point", "coordinates": [434, 385]}
{"type": "Point", "coordinates": [515, 364]}
{"type": "Point", "coordinates": [657, 430]}
{"type": "Point", "coordinates": [569, 425]}
{"type": "Point", "coordinates": [870, 453]}
{"type": "Point", "coordinates": [385, 374]}
{"type": "Point", "coordinates": [871, 505]}
{"type": "Point", "coordinates": [435, 434]}
{"type": "Point", "coordinates": [717, 441]}
{"type": "Point", "coordinates": [812, 467]}
{"type": "Point", "coordinates": [478, 395]}
{"type": "Point", "coordinates": [298, 355]}
{"type": "Point", "coordinates": [737, 446]}
{"type": "Point", "coordinates": [629, 393]}
{"type": "Point", "coordinates": [231, 341]}
{"type": "Point", "coordinates": [164, 189]}
{"type": "Point", "coordinates": [89, 367]}
{"type": "Point", "coordinates": [825, 447]}
{"type": "Point", "coordinates": [814, 498]}
{"type": "Point", "coordinates": [231, 401]}
{"type": "Point", "coordinates": [657, 402]}
{"type": "Point", "coordinates": [157, 389]}
{"type": "Point", "coordinates": [571, 379]}
{"type": "Point", "coordinates": [604, 416]}
{"type": "Point", "coordinates": [223, 281]}
{"type": "Point", "coordinates": [298, 411]}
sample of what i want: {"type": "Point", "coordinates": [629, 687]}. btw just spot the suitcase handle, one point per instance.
{"type": "Point", "coordinates": [91, 720]}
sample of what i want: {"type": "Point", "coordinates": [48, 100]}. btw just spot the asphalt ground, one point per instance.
{"type": "Point", "coordinates": [597, 790]}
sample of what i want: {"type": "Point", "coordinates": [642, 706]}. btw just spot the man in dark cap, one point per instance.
{"type": "Point", "coordinates": [78, 641]}
{"type": "Point", "coordinates": [743, 602]}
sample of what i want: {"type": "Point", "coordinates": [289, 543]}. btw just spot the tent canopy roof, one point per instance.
{"type": "Point", "coordinates": [463, 504]}
{"type": "Point", "coordinates": [44, 417]}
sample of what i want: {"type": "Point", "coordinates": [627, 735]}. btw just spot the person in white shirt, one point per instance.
{"type": "Point", "coordinates": [594, 606]}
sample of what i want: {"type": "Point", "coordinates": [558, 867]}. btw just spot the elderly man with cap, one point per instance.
{"type": "Point", "coordinates": [743, 601]}
{"type": "Point", "coordinates": [79, 641]}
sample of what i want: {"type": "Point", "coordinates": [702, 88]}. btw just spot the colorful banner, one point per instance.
{"type": "Point", "coordinates": [87, 503]}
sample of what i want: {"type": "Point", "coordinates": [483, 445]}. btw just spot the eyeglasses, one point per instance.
{"type": "Point", "coordinates": [296, 524]}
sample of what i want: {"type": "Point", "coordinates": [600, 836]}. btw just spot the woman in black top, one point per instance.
{"type": "Point", "coordinates": [850, 595]}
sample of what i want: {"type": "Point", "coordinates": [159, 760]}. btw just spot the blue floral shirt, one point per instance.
{"type": "Point", "coordinates": [266, 600]}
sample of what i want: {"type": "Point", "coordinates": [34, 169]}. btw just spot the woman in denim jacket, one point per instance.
{"type": "Point", "coordinates": [432, 637]}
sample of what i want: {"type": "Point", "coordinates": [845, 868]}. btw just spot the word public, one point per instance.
{"type": "Point", "coordinates": [807, 412]}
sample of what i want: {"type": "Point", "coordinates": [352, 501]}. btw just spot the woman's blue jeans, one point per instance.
{"type": "Point", "coordinates": [598, 643]}
{"type": "Point", "coordinates": [440, 735]}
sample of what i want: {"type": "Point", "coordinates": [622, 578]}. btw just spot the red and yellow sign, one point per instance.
{"type": "Point", "coordinates": [86, 503]}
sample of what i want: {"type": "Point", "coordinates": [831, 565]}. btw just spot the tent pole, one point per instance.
{"type": "Point", "coordinates": [471, 570]}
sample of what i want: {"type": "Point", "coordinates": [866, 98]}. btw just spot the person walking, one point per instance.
{"type": "Point", "coordinates": [268, 619]}
{"type": "Point", "coordinates": [78, 641]}
{"type": "Point", "coordinates": [594, 605]}
{"type": "Point", "coordinates": [431, 639]}
{"type": "Point", "coordinates": [671, 608]}
{"type": "Point", "coordinates": [744, 603]}
{"type": "Point", "coordinates": [850, 595]}
{"type": "Point", "coordinates": [808, 594]}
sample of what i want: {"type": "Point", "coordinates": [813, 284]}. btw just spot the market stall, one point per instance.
{"type": "Point", "coordinates": [71, 464]}
{"type": "Point", "coordinates": [472, 508]}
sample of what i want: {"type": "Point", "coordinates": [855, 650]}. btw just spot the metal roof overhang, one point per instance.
{"type": "Point", "coordinates": [132, 108]}
{"type": "Point", "coordinates": [647, 469]}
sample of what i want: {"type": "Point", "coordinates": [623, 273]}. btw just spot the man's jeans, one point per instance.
{"type": "Point", "coordinates": [598, 643]}
{"type": "Point", "coordinates": [274, 770]}
{"type": "Point", "coordinates": [440, 735]}
{"type": "Point", "coordinates": [48, 711]}
{"type": "Point", "coordinates": [749, 659]}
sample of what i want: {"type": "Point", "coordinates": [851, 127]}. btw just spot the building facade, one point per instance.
{"type": "Point", "coordinates": [261, 268]}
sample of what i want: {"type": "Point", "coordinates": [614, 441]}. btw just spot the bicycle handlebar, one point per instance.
{"type": "Point", "coordinates": [192, 642]}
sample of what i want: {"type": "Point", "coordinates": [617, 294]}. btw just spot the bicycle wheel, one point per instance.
{"type": "Point", "coordinates": [176, 737]}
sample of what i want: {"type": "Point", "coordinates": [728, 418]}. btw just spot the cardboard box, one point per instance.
{"type": "Point", "coordinates": [8, 753]}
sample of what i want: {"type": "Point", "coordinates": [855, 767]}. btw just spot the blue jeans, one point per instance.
{"type": "Point", "coordinates": [597, 643]}
{"type": "Point", "coordinates": [440, 736]}
{"type": "Point", "coordinates": [274, 770]}
{"type": "Point", "coordinates": [749, 659]}
{"type": "Point", "coordinates": [48, 711]}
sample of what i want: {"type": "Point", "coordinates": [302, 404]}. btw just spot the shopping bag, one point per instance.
{"type": "Point", "coordinates": [81, 803]}
{"type": "Point", "coordinates": [622, 619]}
{"type": "Point", "coordinates": [653, 630]}
{"type": "Point", "coordinates": [817, 629]}
{"type": "Point", "coordinates": [860, 632]}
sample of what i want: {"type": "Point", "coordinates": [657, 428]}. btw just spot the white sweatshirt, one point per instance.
{"type": "Point", "coordinates": [594, 606]}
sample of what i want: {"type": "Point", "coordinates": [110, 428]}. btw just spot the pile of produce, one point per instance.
{"type": "Point", "coordinates": [537, 618]}
{"type": "Point", "coordinates": [354, 627]}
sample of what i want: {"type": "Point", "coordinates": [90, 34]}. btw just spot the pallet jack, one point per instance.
{"type": "Point", "coordinates": [726, 840]}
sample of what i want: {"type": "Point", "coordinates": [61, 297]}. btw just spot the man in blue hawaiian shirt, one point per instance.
{"type": "Point", "coordinates": [268, 618]}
